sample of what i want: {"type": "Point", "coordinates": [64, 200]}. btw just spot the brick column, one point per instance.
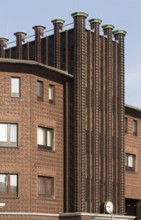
{"type": "Point", "coordinates": [79, 105]}
{"type": "Point", "coordinates": [3, 45]}
{"type": "Point", "coordinates": [38, 34]}
{"type": "Point", "coordinates": [109, 111]}
{"type": "Point", "coordinates": [119, 37]}
{"type": "Point", "coordinates": [95, 26]}
{"type": "Point", "coordinates": [20, 38]}
{"type": "Point", "coordinates": [58, 24]}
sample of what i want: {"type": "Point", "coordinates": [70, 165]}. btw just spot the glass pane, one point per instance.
{"type": "Point", "coordinates": [15, 85]}
{"type": "Point", "coordinates": [13, 133]}
{"type": "Point", "coordinates": [41, 136]}
{"type": "Point", "coordinates": [51, 92]}
{"type": "Point", "coordinates": [42, 185]}
{"type": "Point", "coordinates": [13, 183]}
{"type": "Point", "coordinates": [49, 137]}
{"type": "Point", "coordinates": [130, 161]}
{"type": "Point", "coordinates": [3, 183]}
{"type": "Point", "coordinates": [39, 88]}
{"type": "Point", "coordinates": [3, 132]}
{"type": "Point", "coordinates": [50, 186]}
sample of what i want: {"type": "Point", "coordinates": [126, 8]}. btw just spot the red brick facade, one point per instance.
{"type": "Point", "coordinates": [85, 166]}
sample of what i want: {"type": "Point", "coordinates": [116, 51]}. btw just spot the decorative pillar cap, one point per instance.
{"type": "Point", "coordinates": [75, 14]}
{"type": "Point", "coordinates": [108, 26]}
{"type": "Point", "coordinates": [4, 39]}
{"type": "Point", "coordinates": [119, 32]}
{"type": "Point", "coordinates": [39, 27]}
{"type": "Point", "coordinates": [20, 33]}
{"type": "Point", "coordinates": [95, 20]}
{"type": "Point", "coordinates": [60, 21]}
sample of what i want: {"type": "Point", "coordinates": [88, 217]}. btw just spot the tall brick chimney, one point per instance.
{"type": "Point", "coordinates": [20, 38]}
{"type": "Point", "coordinates": [58, 24]}
{"type": "Point", "coordinates": [3, 45]}
{"type": "Point", "coordinates": [38, 34]}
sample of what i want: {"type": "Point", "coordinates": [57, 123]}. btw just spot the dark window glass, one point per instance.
{"type": "Point", "coordinates": [46, 186]}
{"type": "Point", "coordinates": [39, 91]}
{"type": "Point", "coordinates": [134, 127]}
{"type": "Point", "coordinates": [51, 94]}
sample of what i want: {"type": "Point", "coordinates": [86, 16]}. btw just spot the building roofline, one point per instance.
{"type": "Point", "coordinates": [133, 107]}
{"type": "Point", "coordinates": [31, 63]}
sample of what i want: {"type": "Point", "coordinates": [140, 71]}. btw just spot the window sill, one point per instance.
{"type": "Point", "coordinates": [45, 149]}
{"type": "Point", "coordinates": [46, 198]}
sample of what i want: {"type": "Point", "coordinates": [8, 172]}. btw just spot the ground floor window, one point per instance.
{"type": "Point", "coordinates": [8, 185]}
{"type": "Point", "coordinates": [46, 186]}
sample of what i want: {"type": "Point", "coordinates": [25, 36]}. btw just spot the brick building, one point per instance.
{"type": "Point", "coordinates": [62, 123]}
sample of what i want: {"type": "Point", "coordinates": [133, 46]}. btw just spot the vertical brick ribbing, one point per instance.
{"type": "Point", "coordinates": [38, 33]}
{"type": "Point", "coordinates": [120, 37]}
{"type": "Point", "coordinates": [95, 108]}
{"type": "Point", "coordinates": [3, 44]}
{"type": "Point", "coordinates": [20, 37]}
{"type": "Point", "coordinates": [58, 23]}
{"type": "Point", "coordinates": [79, 96]}
{"type": "Point", "coordinates": [109, 111]}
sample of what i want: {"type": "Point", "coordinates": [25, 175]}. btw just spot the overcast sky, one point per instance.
{"type": "Point", "coordinates": [22, 15]}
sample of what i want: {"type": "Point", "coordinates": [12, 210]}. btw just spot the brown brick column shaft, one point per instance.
{"type": "Point", "coordinates": [20, 37]}
{"type": "Point", "coordinates": [79, 102]}
{"type": "Point", "coordinates": [3, 45]}
{"type": "Point", "coordinates": [109, 111]}
{"type": "Point", "coordinates": [95, 23]}
{"type": "Point", "coordinates": [38, 33]}
{"type": "Point", "coordinates": [58, 24]}
{"type": "Point", "coordinates": [119, 36]}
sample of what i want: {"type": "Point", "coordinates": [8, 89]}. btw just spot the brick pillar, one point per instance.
{"type": "Point", "coordinates": [20, 38]}
{"type": "Point", "coordinates": [79, 105]}
{"type": "Point", "coordinates": [119, 37]}
{"type": "Point", "coordinates": [3, 45]}
{"type": "Point", "coordinates": [58, 24]}
{"type": "Point", "coordinates": [108, 111]}
{"type": "Point", "coordinates": [38, 34]}
{"type": "Point", "coordinates": [95, 26]}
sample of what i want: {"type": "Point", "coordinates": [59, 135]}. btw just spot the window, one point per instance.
{"type": "Point", "coordinates": [125, 125]}
{"type": "Point", "coordinates": [8, 134]}
{"type": "Point", "coordinates": [46, 137]}
{"type": "Point", "coordinates": [134, 127]}
{"type": "Point", "coordinates": [51, 94]}
{"type": "Point", "coordinates": [130, 161]}
{"type": "Point", "coordinates": [39, 91]}
{"type": "Point", "coordinates": [15, 87]}
{"type": "Point", "coordinates": [46, 186]}
{"type": "Point", "coordinates": [8, 185]}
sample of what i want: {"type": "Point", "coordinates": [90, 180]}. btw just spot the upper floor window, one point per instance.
{"type": "Point", "coordinates": [51, 94]}
{"type": "Point", "coordinates": [8, 134]}
{"type": "Point", "coordinates": [46, 186]}
{"type": "Point", "coordinates": [130, 162]}
{"type": "Point", "coordinates": [134, 127]}
{"type": "Point", "coordinates": [46, 137]}
{"type": "Point", "coordinates": [15, 87]}
{"type": "Point", "coordinates": [39, 90]}
{"type": "Point", "coordinates": [8, 185]}
{"type": "Point", "coordinates": [125, 125]}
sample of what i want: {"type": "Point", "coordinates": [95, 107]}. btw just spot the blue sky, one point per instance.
{"type": "Point", "coordinates": [19, 15]}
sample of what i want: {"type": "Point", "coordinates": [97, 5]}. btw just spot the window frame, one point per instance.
{"type": "Point", "coordinates": [8, 193]}
{"type": "Point", "coordinates": [135, 127]}
{"type": "Point", "coordinates": [41, 90]}
{"type": "Point", "coordinates": [125, 125]}
{"type": "Point", "coordinates": [45, 195]}
{"type": "Point", "coordinates": [16, 94]}
{"type": "Point", "coordinates": [9, 143]}
{"type": "Point", "coordinates": [130, 168]}
{"type": "Point", "coordinates": [52, 97]}
{"type": "Point", "coordinates": [46, 146]}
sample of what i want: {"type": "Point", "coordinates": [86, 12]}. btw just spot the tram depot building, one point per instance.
{"type": "Point", "coordinates": [69, 146]}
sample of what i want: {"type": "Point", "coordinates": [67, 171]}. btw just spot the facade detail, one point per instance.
{"type": "Point", "coordinates": [62, 122]}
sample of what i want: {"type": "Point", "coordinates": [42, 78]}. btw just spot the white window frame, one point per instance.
{"type": "Point", "coordinates": [130, 162]}
{"type": "Point", "coordinates": [8, 142]}
{"type": "Point", "coordinates": [15, 92]}
{"type": "Point", "coordinates": [51, 94]}
{"type": "Point", "coordinates": [8, 178]}
{"type": "Point", "coordinates": [44, 142]}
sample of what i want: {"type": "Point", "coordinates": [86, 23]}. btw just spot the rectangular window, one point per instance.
{"type": "Point", "coordinates": [134, 127]}
{"type": "Point", "coordinates": [125, 125]}
{"type": "Point", "coordinates": [46, 137]}
{"type": "Point", "coordinates": [8, 185]}
{"type": "Point", "coordinates": [130, 162]}
{"type": "Point", "coordinates": [39, 91]}
{"type": "Point", "coordinates": [8, 134]}
{"type": "Point", "coordinates": [15, 87]}
{"type": "Point", "coordinates": [51, 94]}
{"type": "Point", "coordinates": [46, 186]}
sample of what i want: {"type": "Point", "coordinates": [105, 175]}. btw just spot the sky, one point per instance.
{"type": "Point", "coordinates": [22, 15]}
